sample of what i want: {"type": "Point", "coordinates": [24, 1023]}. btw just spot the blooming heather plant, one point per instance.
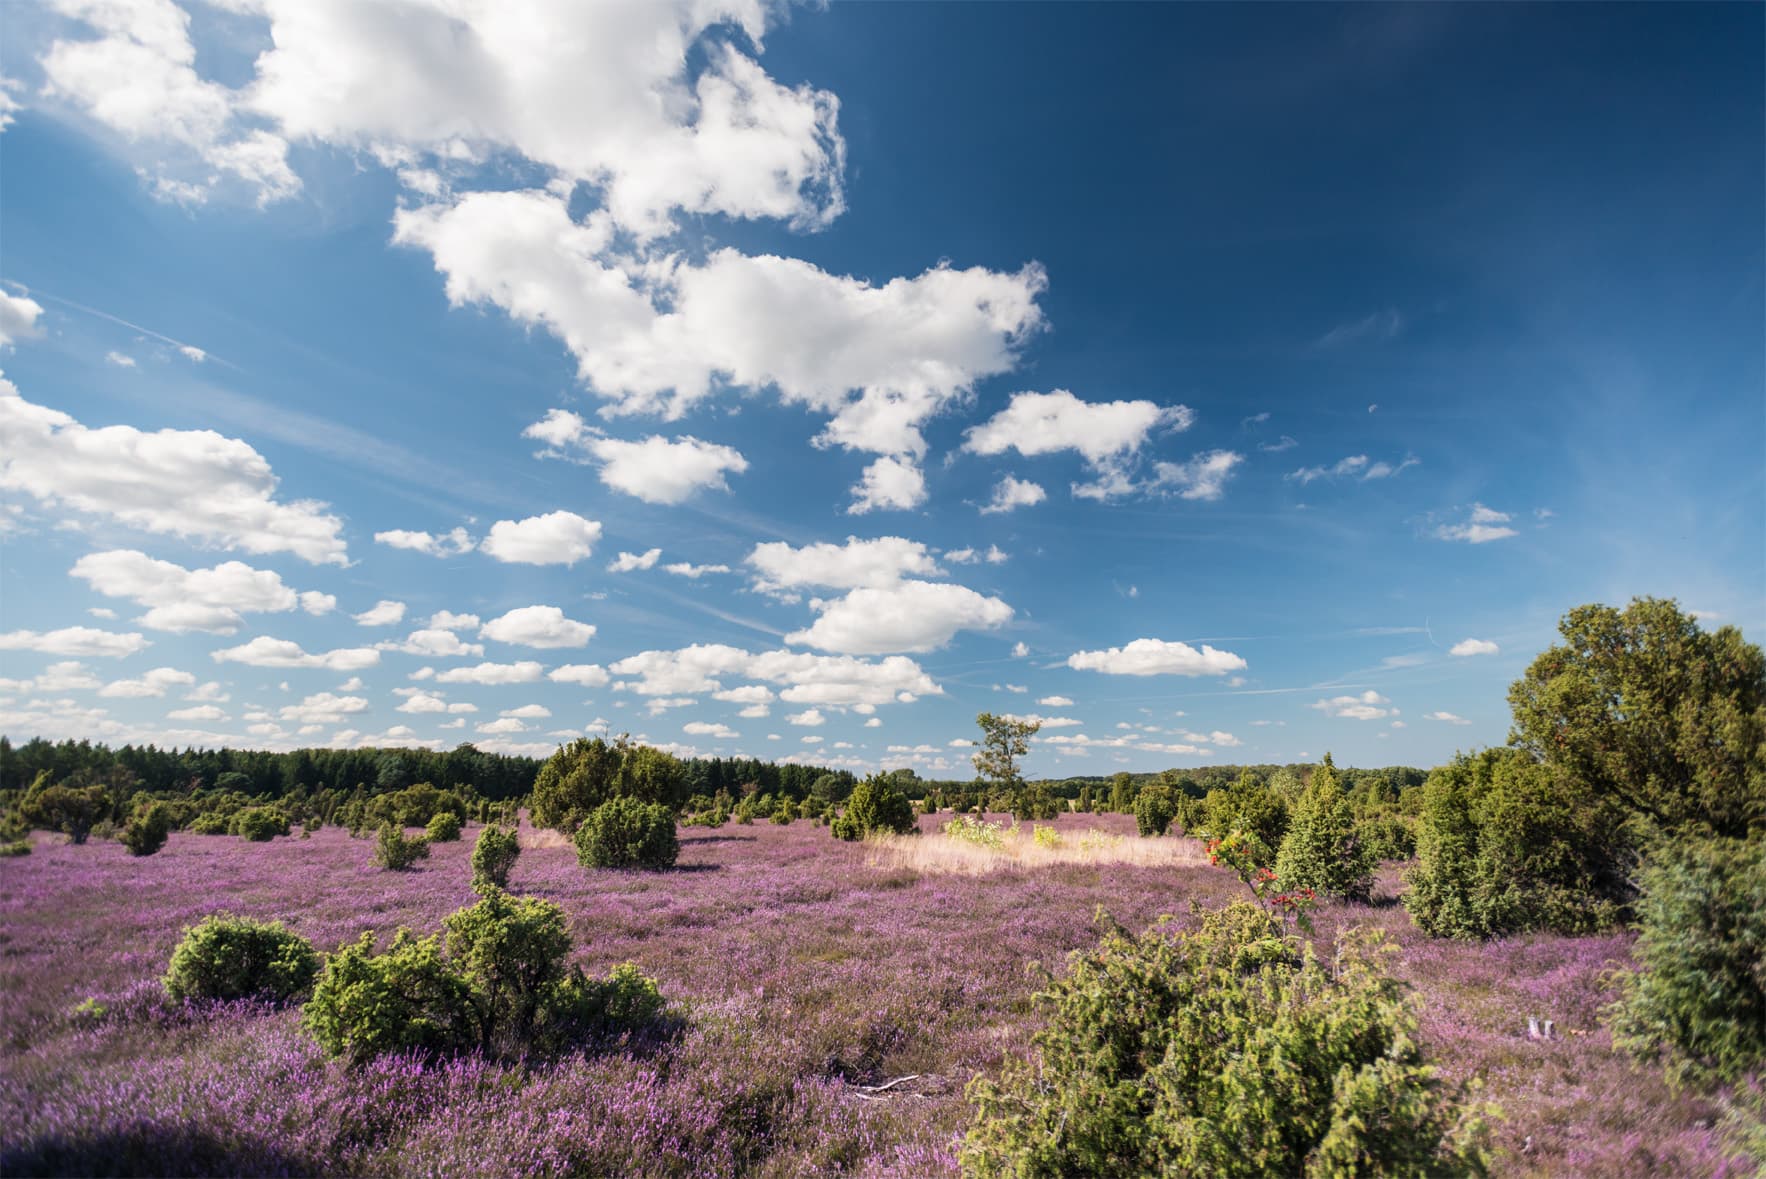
{"type": "Point", "coordinates": [811, 968]}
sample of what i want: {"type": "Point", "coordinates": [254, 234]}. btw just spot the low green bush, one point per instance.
{"type": "Point", "coordinates": [406, 999]}
{"type": "Point", "coordinates": [628, 833]}
{"type": "Point", "coordinates": [147, 832]}
{"type": "Point", "coordinates": [444, 827]}
{"type": "Point", "coordinates": [260, 824]}
{"type": "Point", "coordinates": [1154, 808]}
{"type": "Point", "coordinates": [495, 982]}
{"type": "Point", "coordinates": [1698, 999]}
{"type": "Point", "coordinates": [1230, 1052]}
{"type": "Point", "coordinates": [18, 847]}
{"type": "Point", "coordinates": [396, 853]}
{"type": "Point", "coordinates": [226, 958]}
{"type": "Point", "coordinates": [875, 804]}
{"type": "Point", "coordinates": [210, 823]}
{"type": "Point", "coordinates": [493, 856]}
{"type": "Point", "coordinates": [1388, 836]}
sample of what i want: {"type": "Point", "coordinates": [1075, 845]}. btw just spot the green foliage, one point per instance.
{"type": "Point", "coordinates": [1225, 1052]}
{"type": "Point", "coordinates": [74, 811]}
{"type": "Point", "coordinates": [1506, 844]}
{"type": "Point", "coordinates": [1388, 836]}
{"type": "Point", "coordinates": [259, 824]}
{"type": "Point", "coordinates": [1034, 800]}
{"type": "Point", "coordinates": [1154, 808]}
{"type": "Point", "coordinates": [147, 832]}
{"type": "Point", "coordinates": [403, 1000]}
{"type": "Point", "coordinates": [1003, 741]}
{"type": "Point", "coordinates": [980, 832]}
{"type": "Point", "coordinates": [394, 852]}
{"type": "Point", "coordinates": [227, 958]}
{"type": "Point", "coordinates": [493, 856]}
{"type": "Point", "coordinates": [628, 833]}
{"type": "Point", "coordinates": [1647, 709]}
{"type": "Point", "coordinates": [875, 804]}
{"type": "Point", "coordinates": [574, 781]}
{"type": "Point", "coordinates": [497, 983]}
{"type": "Point", "coordinates": [510, 952]}
{"type": "Point", "coordinates": [18, 847]}
{"type": "Point", "coordinates": [582, 1008]}
{"type": "Point", "coordinates": [785, 813]}
{"type": "Point", "coordinates": [1699, 998]}
{"type": "Point", "coordinates": [1322, 850]}
{"type": "Point", "coordinates": [1247, 805]}
{"type": "Point", "coordinates": [210, 823]}
{"type": "Point", "coordinates": [444, 827]}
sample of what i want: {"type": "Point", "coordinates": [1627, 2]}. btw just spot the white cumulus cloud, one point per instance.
{"type": "Point", "coordinates": [556, 538]}
{"type": "Point", "coordinates": [538, 626]}
{"type": "Point", "coordinates": [1157, 657]}
{"type": "Point", "coordinates": [909, 616]}
{"type": "Point", "coordinates": [1474, 647]}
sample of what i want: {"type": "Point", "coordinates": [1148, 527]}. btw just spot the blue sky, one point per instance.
{"type": "Point", "coordinates": [1219, 383]}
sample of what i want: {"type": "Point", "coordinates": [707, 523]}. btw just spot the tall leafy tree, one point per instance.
{"type": "Point", "coordinates": [1004, 740]}
{"type": "Point", "coordinates": [1654, 712]}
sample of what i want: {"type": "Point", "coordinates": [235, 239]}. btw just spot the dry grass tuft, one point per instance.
{"type": "Point", "coordinates": [535, 838]}
{"type": "Point", "coordinates": [1018, 847]}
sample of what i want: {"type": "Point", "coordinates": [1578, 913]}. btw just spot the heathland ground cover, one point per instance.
{"type": "Point", "coordinates": [811, 971]}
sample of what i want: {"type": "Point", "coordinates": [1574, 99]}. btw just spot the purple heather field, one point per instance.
{"type": "Point", "coordinates": [806, 971]}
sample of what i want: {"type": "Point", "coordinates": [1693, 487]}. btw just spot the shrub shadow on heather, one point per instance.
{"type": "Point", "coordinates": [150, 1149]}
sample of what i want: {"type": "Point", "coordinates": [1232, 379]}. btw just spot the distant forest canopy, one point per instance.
{"type": "Point", "coordinates": [305, 772]}
{"type": "Point", "coordinates": [501, 778]}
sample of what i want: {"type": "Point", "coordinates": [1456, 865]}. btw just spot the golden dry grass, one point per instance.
{"type": "Point", "coordinates": [534, 838]}
{"type": "Point", "coordinates": [1018, 848]}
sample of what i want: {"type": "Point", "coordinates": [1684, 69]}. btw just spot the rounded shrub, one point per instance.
{"type": "Point", "coordinates": [628, 833]}
{"type": "Point", "coordinates": [394, 852]}
{"type": "Point", "coordinates": [260, 824]}
{"type": "Point", "coordinates": [1230, 1051]}
{"type": "Point", "coordinates": [406, 999]}
{"type": "Point", "coordinates": [211, 823]}
{"type": "Point", "coordinates": [1698, 1000]}
{"type": "Point", "coordinates": [875, 804]}
{"type": "Point", "coordinates": [493, 856]}
{"type": "Point", "coordinates": [226, 958]}
{"type": "Point", "coordinates": [147, 832]}
{"type": "Point", "coordinates": [444, 827]}
{"type": "Point", "coordinates": [1154, 808]}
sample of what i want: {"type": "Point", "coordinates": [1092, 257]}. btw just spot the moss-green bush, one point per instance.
{"type": "Point", "coordinates": [406, 999]}
{"type": "Point", "coordinates": [493, 856]}
{"type": "Point", "coordinates": [1154, 808]}
{"type": "Point", "coordinates": [259, 824]}
{"type": "Point", "coordinates": [444, 827]}
{"type": "Point", "coordinates": [1698, 999]}
{"type": "Point", "coordinates": [1506, 845]}
{"type": "Point", "coordinates": [1322, 850]}
{"type": "Point", "coordinates": [875, 804]}
{"type": "Point", "coordinates": [628, 833]}
{"type": "Point", "coordinates": [211, 823]}
{"type": "Point", "coordinates": [226, 958]}
{"type": "Point", "coordinates": [495, 982]}
{"type": "Point", "coordinates": [395, 852]}
{"type": "Point", "coordinates": [1227, 1052]}
{"type": "Point", "coordinates": [148, 830]}
{"type": "Point", "coordinates": [1388, 835]}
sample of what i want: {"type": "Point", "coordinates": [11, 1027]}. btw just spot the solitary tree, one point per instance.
{"type": "Point", "coordinates": [1648, 709]}
{"type": "Point", "coordinates": [1004, 740]}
